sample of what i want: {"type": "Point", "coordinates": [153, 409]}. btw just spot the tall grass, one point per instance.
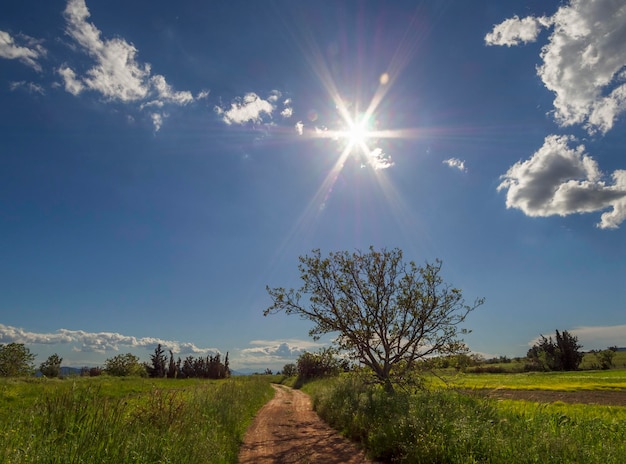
{"type": "Point", "coordinates": [135, 422]}
{"type": "Point", "coordinates": [443, 426]}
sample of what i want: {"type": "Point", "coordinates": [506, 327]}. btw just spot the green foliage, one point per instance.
{"type": "Point", "coordinates": [16, 360]}
{"type": "Point", "coordinates": [387, 314]}
{"type": "Point", "coordinates": [124, 365]}
{"type": "Point", "coordinates": [210, 367]}
{"type": "Point", "coordinates": [605, 358]}
{"type": "Point", "coordinates": [289, 370]}
{"type": "Point", "coordinates": [562, 354]}
{"type": "Point", "coordinates": [156, 368]}
{"type": "Point", "coordinates": [317, 365]}
{"type": "Point", "coordinates": [114, 420]}
{"type": "Point", "coordinates": [439, 426]}
{"type": "Point", "coordinates": [51, 367]}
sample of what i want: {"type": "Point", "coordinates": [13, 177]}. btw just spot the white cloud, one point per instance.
{"type": "Point", "coordinates": [157, 120]}
{"type": "Point", "coordinates": [116, 74]}
{"type": "Point", "coordinates": [72, 84]}
{"type": "Point", "coordinates": [583, 61]}
{"type": "Point", "coordinates": [274, 96]}
{"type": "Point", "coordinates": [379, 159]}
{"type": "Point", "coordinates": [299, 127]}
{"type": "Point", "coordinates": [28, 86]}
{"type": "Point", "coordinates": [594, 337]}
{"type": "Point", "coordinates": [28, 52]}
{"type": "Point", "coordinates": [94, 341]}
{"type": "Point", "coordinates": [268, 353]}
{"type": "Point", "coordinates": [166, 93]}
{"type": "Point", "coordinates": [514, 31]}
{"type": "Point", "coordinates": [456, 163]}
{"type": "Point", "coordinates": [250, 108]}
{"type": "Point", "coordinates": [287, 112]}
{"type": "Point", "coordinates": [559, 180]}
{"type": "Point", "coordinates": [203, 94]}
{"type": "Point", "coordinates": [599, 337]}
{"type": "Point", "coordinates": [584, 64]}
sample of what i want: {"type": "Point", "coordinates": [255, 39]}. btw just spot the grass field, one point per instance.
{"type": "Point", "coordinates": [442, 425]}
{"type": "Point", "coordinates": [115, 420]}
{"type": "Point", "coordinates": [614, 379]}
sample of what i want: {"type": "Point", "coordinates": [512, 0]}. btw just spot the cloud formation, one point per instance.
{"type": "Point", "coordinates": [271, 352]}
{"type": "Point", "coordinates": [378, 159]}
{"type": "Point", "coordinates": [514, 31]}
{"type": "Point", "coordinates": [28, 51]}
{"type": "Point", "coordinates": [250, 108]}
{"type": "Point", "coordinates": [30, 87]}
{"type": "Point", "coordinates": [584, 64]}
{"type": "Point", "coordinates": [456, 163]}
{"type": "Point", "coordinates": [595, 337]}
{"type": "Point", "coordinates": [560, 180]}
{"type": "Point", "coordinates": [101, 342]}
{"type": "Point", "coordinates": [116, 74]}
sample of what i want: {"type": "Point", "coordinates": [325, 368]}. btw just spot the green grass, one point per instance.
{"type": "Point", "coordinates": [614, 379]}
{"type": "Point", "coordinates": [112, 420]}
{"type": "Point", "coordinates": [443, 426]}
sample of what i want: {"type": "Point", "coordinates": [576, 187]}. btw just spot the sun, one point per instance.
{"type": "Point", "coordinates": [357, 133]}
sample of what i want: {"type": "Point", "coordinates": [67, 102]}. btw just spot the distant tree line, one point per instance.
{"type": "Point", "coordinates": [209, 367]}
{"type": "Point", "coordinates": [16, 360]}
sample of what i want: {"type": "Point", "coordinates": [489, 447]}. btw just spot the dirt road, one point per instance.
{"type": "Point", "coordinates": [287, 430]}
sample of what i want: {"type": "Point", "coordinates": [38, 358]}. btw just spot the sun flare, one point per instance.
{"type": "Point", "coordinates": [357, 133]}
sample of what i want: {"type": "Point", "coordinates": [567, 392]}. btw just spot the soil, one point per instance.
{"type": "Point", "coordinates": [599, 397]}
{"type": "Point", "coordinates": [287, 430]}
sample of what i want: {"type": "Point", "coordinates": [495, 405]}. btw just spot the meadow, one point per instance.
{"type": "Point", "coordinates": [129, 420]}
{"type": "Point", "coordinates": [137, 420]}
{"type": "Point", "coordinates": [443, 425]}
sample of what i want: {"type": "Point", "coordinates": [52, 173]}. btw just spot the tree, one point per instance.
{"type": "Point", "coordinates": [16, 360]}
{"type": "Point", "coordinates": [316, 365]}
{"type": "Point", "coordinates": [605, 358]}
{"type": "Point", "coordinates": [561, 354]}
{"type": "Point", "coordinates": [290, 370]}
{"type": "Point", "coordinates": [158, 360]}
{"type": "Point", "coordinates": [386, 313]}
{"type": "Point", "coordinates": [51, 367]}
{"type": "Point", "coordinates": [124, 365]}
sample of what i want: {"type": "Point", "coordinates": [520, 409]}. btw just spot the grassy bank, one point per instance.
{"type": "Point", "coordinates": [445, 426]}
{"type": "Point", "coordinates": [112, 420]}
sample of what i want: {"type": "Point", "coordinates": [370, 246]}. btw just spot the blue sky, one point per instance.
{"type": "Point", "coordinates": [161, 163]}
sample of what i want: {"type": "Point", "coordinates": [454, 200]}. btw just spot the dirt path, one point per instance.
{"type": "Point", "coordinates": [287, 430]}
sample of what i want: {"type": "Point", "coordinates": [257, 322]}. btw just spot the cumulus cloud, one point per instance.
{"type": "Point", "coordinates": [560, 180]}
{"type": "Point", "coordinates": [583, 61]}
{"type": "Point", "coordinates": [28, 51]}
{"type": "Point", "coordinates": [514, 31]}
{"type": "Point", "coordinates": [299, 126]}
{"type": "Point", "coordinates": [268, 352]}
{"type": "Point", "coordinates": [456, 163]}
{"type": "Point", "coordinates": [250, 108]}
{"type": "Point", "coordinates": [101, 342]}
{"type": "Point", "coordinates": [117, 74]}
{"type": "Point", "coordinates": [584, 65]}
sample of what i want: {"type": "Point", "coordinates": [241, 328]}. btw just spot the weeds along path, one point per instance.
{"type": "Point", "coordinates": [287, 430]}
